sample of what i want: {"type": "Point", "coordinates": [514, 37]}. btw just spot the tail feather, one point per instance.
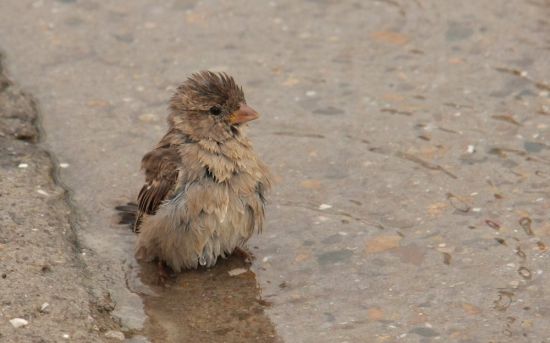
{"type": "Point", "coordinates": [128, 215]}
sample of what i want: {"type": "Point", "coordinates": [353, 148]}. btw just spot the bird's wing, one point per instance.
{"type": "Point", "coordinates": [161, 174]}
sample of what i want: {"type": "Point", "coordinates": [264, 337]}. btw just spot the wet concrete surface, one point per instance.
{"type": "Point", "coordinates": [410, 140]}
{"type": "Point", "coordinates": [44, 290]}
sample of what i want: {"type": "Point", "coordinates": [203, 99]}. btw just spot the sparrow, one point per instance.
{"type": "Point", "coordinates": [205, 187]}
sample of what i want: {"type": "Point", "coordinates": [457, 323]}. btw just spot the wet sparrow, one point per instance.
{"type": "Point", "coordinates": [205, 187]}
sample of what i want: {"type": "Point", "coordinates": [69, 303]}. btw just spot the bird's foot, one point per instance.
{"type": "Point", "coordinates": [244, 254]}
{"type": "Point", "coordinates": [164, 273]}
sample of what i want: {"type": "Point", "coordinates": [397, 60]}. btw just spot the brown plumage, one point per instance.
{"type": "Point", "coordinates": [205, 187]}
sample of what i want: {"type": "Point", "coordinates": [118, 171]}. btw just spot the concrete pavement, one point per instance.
{"type": "Point", "coordinates": [410, 141]}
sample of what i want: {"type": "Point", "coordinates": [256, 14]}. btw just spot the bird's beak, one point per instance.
{"type": "Point", "coordinates": [244, 114]}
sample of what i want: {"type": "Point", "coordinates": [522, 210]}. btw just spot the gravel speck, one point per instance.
{"type": "Point", "coordinates": [44, 308]}
{"type": "Point", "coordinates": [237, 271]}
{"type": "Point", "coordinates": [18, 322]}
{"type": "Point", "coordinates": [115, 334]}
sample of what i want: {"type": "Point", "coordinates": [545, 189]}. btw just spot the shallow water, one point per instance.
{"type": "Point", "coordinates": [409, 139]}
{"type": "Point", "coordinates": [205, 305]}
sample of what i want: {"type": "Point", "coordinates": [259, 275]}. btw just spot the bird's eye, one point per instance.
{"type": "Point", "coordinates": [215, 110]}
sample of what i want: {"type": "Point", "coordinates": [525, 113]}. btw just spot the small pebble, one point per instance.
{"type": "Point", "coordinates": [148, 118]}
{"type": "Point", "coordinates": [325, 206]}
{"type": "Point", "coordinates": [237, 271]}
{"type": "Point", "coordinates": [44, 307]}
{"type": "Point", "coordinates": [41, 192]}
{"type": "Point", "coordinates": [23, 165]}
{"type": "Point", "coordinates": [115, 334]}
{"type": "Point", "coordinates": [18, 322]}
{"type": "Point", "coordinates": [66, 336]}
{"type": "Point", "coordinates": [471, 149]}
{"type": "Point", "coordinates": [63, 165]}
{"type": "Point", "coordinates": [311, 93]}
{"type": "Point", "coordinates": [476, 209]}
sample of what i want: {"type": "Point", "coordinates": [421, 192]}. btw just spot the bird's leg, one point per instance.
{"type": "Point", "coordinates": [244, 254]}
{"type": "Point", "coordinates": [163, 272]}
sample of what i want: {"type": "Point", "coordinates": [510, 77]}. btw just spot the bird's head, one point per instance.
{"type": "Point", "coordinates": [210, 106]}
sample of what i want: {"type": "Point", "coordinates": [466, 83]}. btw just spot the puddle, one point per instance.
{"type": "Point", "coordinates": [206, 306]}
